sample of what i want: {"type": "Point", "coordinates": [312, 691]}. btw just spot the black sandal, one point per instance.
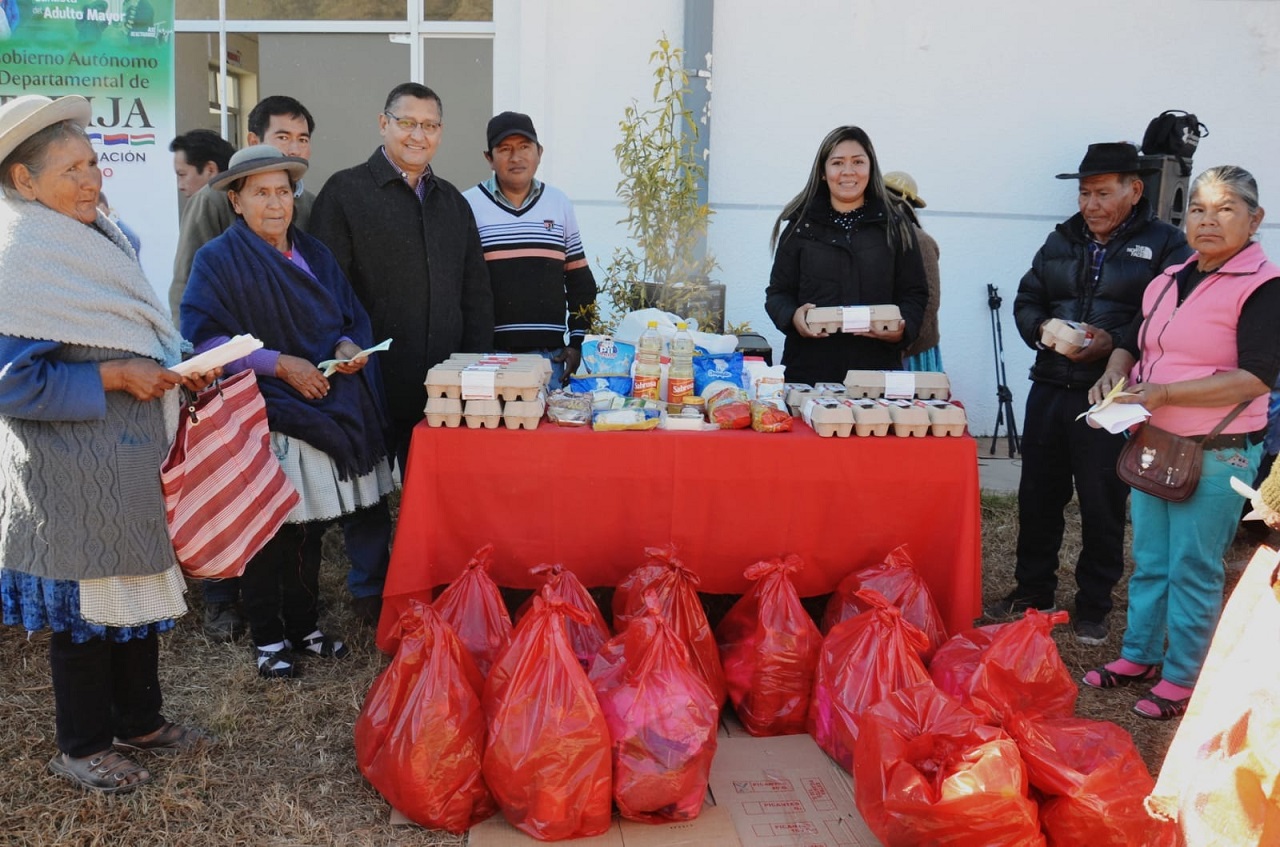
{"type": "Point", "coordinates": [319, 644]}
{"type": "Point", "coordinates": [1112, 679]}
{"type": "Point", "coordinates": [169, 738]}
{"type": "Point", "coordinates": [272, 664]}
{"type": "Point", "coordinates": [105, 773]}
{"type": "Point", "coordinates": [1169, 709]}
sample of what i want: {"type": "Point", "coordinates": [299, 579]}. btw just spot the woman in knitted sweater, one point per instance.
{"type": "Point", "coordinates": [87, 412]}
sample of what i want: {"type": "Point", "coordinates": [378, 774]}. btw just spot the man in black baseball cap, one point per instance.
{"type": "Point", "coordinates": [542, 285]}
{"type": "Point", "coordinates": [1091, 270]}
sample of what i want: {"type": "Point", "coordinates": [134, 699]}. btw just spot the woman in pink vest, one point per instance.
{"type": "Point", "coordinates": [1205, 343]}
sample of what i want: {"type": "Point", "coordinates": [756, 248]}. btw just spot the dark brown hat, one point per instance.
{"type": "Point", "coordinates": [1113, 157]}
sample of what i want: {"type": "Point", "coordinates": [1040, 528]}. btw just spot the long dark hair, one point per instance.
{"type": "Point", "coordinates": [817, 194]}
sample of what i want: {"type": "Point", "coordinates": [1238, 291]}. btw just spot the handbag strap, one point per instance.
{"type": "Point", "coordinates": [1231, 416]}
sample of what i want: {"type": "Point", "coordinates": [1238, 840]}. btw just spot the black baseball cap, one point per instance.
{"type": "Point", "coordinates": [508, 124]}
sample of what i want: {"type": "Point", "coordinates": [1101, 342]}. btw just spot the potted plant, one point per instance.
{"type": "Point", "coordinates": [666, 264]}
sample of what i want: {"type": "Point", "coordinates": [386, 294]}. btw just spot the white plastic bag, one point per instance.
{"type": "Point", "coordinates": [634, 323]}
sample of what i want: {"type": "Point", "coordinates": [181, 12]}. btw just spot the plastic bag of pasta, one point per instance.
{"type": "Point", "coordinates": [420, 736]}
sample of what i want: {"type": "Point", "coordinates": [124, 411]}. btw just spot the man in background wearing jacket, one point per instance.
{"type": "Point", "coordinates": [1092, 270]}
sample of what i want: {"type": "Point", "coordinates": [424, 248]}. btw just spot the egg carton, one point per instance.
{"type": "Point", "coordinates": [523, 413]}
{"type": "Point", "coordinates": [510, 382]}
{"type": "Point", "coordinates": [1066, 337]}
{"type": "Point", "coordinates": [871, 417]}
{"type": "Point", "coordinates": [923, 385]}
{"type": "Point", "coordinates": [524, 360]}
{"type": "Point", "coordinates": [482, 413]}
{"type": "Point", "coordinates": [829, 416]}
{"type": "Point", "coordinates": [864, 384]}
{"type": "Point", "coordinates": [444, 411]}
{"type": "Point", "coordinates": [795, 394]}
{"type": "Point", "coordinates": [945, 418]}
{"type": "Point", "coordinates": [909, 418]}
{"type": "Point", "coordinates": [829, 389]}
{"type": "Point", "coordinates": [884, 318]}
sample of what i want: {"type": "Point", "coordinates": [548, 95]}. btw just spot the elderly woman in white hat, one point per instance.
{"type": "Point", "coordinates": [265, 277]}
{"type": "Point", "coordinates": [922, 354]}
{"type": "Point", "coordinates": [87, 412]}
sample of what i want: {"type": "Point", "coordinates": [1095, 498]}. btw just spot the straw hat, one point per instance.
{"type": "Point", "coordinates": [258, 159]}
{"type": "Point", "coordinates": [902, 183]}
{"type": "Point", "coordinates": [22, 117]}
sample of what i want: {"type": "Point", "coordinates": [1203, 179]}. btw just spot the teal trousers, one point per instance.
{"type": "Point", "coordinates": [1175, 593]}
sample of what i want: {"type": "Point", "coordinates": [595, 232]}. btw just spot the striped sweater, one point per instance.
{"type": "Point", "coordinates": [542, 284]}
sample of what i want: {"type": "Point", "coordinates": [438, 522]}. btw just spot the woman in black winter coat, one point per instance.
{"type": "Point", "coordinates": [847, 242]}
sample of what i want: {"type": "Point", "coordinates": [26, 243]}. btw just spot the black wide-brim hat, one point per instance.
{"type": "Point", "coordinates": [1113, 157]}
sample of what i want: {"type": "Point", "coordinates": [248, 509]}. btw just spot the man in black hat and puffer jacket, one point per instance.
{"type": "Point", "coordinates": [1092, 270]}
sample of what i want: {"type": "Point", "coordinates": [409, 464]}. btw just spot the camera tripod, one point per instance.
{"type": "Point", "coordinates": [1004, 397]}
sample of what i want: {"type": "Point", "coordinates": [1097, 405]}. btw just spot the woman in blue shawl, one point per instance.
{"type": "Point", "coordinates": [265, 278]}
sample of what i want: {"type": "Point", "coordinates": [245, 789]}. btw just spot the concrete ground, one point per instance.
{"type": "Point", "coordinates": [998, 473]}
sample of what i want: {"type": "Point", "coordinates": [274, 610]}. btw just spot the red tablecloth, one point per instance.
{"type": "Point", "coordinates": [594, 500]}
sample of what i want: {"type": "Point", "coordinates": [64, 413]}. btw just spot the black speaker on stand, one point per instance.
{"type": "Point", "coordinates": [1167, 187]}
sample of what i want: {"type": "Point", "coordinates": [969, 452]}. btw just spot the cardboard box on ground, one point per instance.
{"type": "Point", "coordinates": [765, 792]}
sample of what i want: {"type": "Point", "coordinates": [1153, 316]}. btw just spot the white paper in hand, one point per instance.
{"type": "Point", "coordinates": [1117, 417]}
{"type": "Point", "coordinates": [330, 366]}
{"type": "Point", "coordinates": [216, 357]}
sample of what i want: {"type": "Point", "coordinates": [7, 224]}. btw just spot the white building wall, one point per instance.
{"type": "Point", "coordinates": [983, 102]}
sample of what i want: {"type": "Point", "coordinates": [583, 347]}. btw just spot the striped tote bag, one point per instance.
{"type": "Point", "coordinates": [225, 494]}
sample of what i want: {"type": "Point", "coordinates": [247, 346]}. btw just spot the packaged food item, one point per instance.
{"type": "Point", "coordinates": [727, 406]}
{"type": "Point", "coordinates": [709, 368]}
{"type": "Point", "coordinates": [613, 386]}
{"type": "Point", "coordinates": [765, 382]}
{"type": "Point", "coordinates": [829, 416]}
{"type": "Point", "coordinates": [603, 355]}
{"type": "Point", "coordinates": [870, 417]}
{"type": "Point", "coordinates": [766, 417]}
{"type": "Point", "coordinates": [566, 408]}
{"type": "Point", "coordinates": [621, 420]}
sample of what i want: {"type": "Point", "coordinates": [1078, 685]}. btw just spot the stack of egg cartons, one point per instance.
{"type": "Point", "coordinates": [917, 403]}
{"type": "Point", "coordinates": [487, 389]}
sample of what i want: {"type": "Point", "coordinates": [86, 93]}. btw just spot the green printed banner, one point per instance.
{"type": "Point", "coordinates": [119, 55]}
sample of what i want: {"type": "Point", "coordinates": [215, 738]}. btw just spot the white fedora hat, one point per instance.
{"type": "Point", "coordinates": [22, 117]}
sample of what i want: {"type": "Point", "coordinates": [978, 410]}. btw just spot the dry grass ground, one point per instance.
{"type": "Point", "coordinates": [284, 772]}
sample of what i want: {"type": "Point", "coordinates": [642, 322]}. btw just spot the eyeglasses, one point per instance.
{"type": "Point", "coordinates": [408, 125]}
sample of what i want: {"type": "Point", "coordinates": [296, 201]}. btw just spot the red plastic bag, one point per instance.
{"type": "Point", "coordinates": [897, 580]}
{"type": "Point", "coordinates": [1094, 782]}
{"type": "Point", "coordinates": [769, 648]}
{"type": "Point", "coordinates": [1021, 671]}
{"type": "Point", "coordinates": [586, 634]}
{"type": "Point", "coordinates": [547, 755]}
{"type": "Point", "coordinates": [473, 606]}
{"type": "Point", "coordinates": [863, 660]}
{"type": "Point", "coordinates": [956, 660]}
{"type": "Point", "coordinates": [662, 721]}
{"type": "Point", "coordinates": [628, 597]}
{"type": "Point", "coordinates": [929, 771]}
{"type": "Point", "coordinates": [420, 734]}
{"type": "Point", "coordinates": [676, 588]}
